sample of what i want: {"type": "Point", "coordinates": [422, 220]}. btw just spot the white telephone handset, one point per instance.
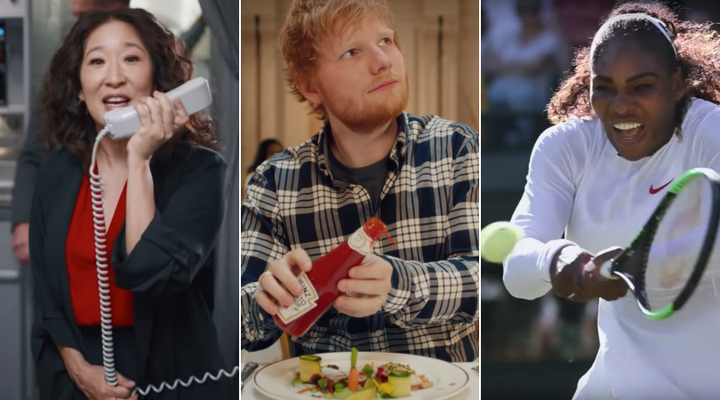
{"type": "Point", "coordinates": [122, 123]}
{"type": "Point", "coordinates": [194, 94]}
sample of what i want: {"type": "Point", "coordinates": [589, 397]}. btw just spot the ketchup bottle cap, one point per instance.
{"type": "Point", "coordinates": [376, 229]}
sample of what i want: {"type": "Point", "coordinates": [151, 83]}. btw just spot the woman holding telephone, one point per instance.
{"type": "Point", "coordinates": [163, 207]}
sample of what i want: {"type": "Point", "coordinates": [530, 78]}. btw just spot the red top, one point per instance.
{"type": "Point", "coordinates": [81, 267]}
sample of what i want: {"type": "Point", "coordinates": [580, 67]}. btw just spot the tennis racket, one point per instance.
{"type": "Point", "coordinates": [668, 259]}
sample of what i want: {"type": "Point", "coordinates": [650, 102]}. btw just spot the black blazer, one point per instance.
{"type": "Point", "coordinates": [169, 272]}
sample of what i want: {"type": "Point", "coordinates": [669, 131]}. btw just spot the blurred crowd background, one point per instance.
{"type": "Point", "coordinates": [541, 347]}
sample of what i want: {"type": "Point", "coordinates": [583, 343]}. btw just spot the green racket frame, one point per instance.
{"type": "Point", "coordinates": [631, 263]}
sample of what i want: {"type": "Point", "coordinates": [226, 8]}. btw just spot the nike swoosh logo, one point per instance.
{"type": "Point", "coordinates": [655, 191]}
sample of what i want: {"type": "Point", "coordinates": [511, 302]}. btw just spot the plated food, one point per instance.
{"type": "Point", "coordinates": [389, 380]}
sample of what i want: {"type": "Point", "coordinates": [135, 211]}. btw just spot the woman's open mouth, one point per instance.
{"type": "Point", "coordinates": [113, 102]}
{"type": "Point", "coordinates": [628, 132]}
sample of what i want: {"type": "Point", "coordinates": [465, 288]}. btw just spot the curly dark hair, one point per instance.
{"type": "Point", "coordinates": [66, 121]}
{"type": "Point", "coordinates": [698, 57]}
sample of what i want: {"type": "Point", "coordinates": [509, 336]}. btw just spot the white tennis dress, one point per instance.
{"type": "Point", "coordinates": [578, 184]}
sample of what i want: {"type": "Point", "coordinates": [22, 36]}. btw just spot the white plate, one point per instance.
{"type": "Point", "coordinates": [273, 380]}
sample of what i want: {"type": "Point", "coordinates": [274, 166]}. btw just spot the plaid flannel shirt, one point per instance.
{"type": "Point", "coordinates": [430, 204]}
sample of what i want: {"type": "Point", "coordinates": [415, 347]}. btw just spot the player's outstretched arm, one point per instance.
{"type": "Point", "coordinates": [544, 211]}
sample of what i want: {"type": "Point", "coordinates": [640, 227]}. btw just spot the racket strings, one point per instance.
{"type": "Point", "coordinates": [642, 263]}
{"type": "Point", "coordinates": [675, 248]}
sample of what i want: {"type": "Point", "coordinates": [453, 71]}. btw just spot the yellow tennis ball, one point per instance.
{"type": "Point", "coordinates": [497, 240]}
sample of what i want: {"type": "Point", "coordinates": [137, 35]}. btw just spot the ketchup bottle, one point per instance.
{"type": "Point", "coordinates": [319, 285]}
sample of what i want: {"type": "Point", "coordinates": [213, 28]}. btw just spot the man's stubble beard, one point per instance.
{"type": "Point", "coordinates": [370, 116]}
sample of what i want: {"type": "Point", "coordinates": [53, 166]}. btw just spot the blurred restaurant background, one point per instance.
{"type": "Point", "coordinates": [440, 44]}
{"type": "Point", "coordinates": [533, 349]}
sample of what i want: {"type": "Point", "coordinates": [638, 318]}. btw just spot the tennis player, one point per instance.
{"type": "Point", "coordinates": [639, 110]}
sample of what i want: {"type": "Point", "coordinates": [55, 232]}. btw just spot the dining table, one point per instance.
{"type": "Point", "coordinates": [471, 391]}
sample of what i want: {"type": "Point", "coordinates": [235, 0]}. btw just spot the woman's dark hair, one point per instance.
{"type": "Point", "coordinates": [66, 121]}
{"type": "Point", "coordinates": [698, 57]}
{"type": "Point", "coordinates": [261, 154]}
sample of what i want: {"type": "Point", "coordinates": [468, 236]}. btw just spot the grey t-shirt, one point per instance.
{"type": "Point", "coordinates": [372, 177]}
